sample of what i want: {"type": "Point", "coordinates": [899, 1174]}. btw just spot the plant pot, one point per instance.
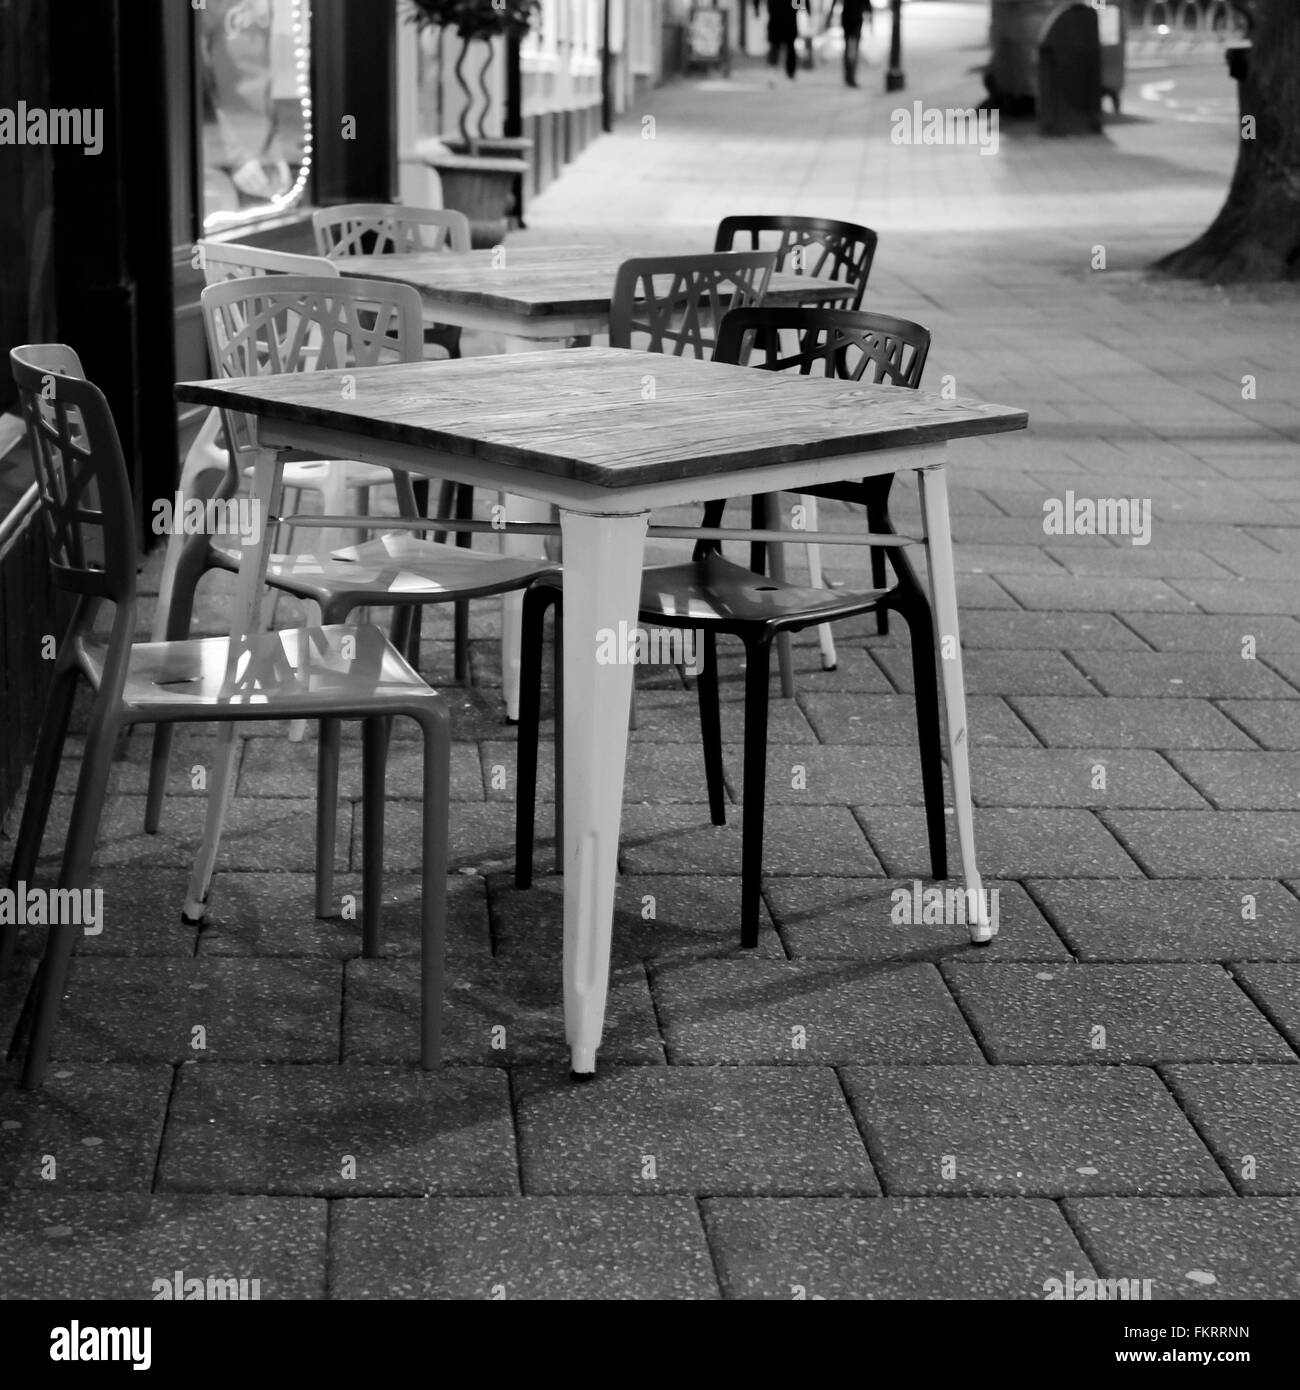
{"type": "Point", "coordinates": [482, 187]}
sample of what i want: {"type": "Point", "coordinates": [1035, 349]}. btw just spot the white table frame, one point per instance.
{"type": "Point", "coordinates": [604, 532]}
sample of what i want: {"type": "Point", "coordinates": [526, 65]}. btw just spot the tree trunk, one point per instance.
{"type": "Point", "coordinates": [1256, 235]}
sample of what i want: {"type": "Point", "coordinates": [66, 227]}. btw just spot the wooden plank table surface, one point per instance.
{"type": "Point", "coordinates": [581, 415]}
{"type": "Point", "coordinates": [518, 290]}
{"type": "Point", "coordinates": [575, 430]}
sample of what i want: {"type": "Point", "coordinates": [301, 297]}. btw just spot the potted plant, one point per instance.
{"type": "Point", "coordinates": [479, 172]}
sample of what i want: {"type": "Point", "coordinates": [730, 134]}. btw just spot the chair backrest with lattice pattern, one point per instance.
{"type": "Point", "coordinates": [816, 246]}
{"type": "Point", "coordinates": [828, 342]}
{"type": "Point", "coordinates": [674, 304]}
{"type": "Point", "coordinates": [229, 260]}
{"type": "Point", "coordinates": [378, 229]}
{"type": "Point", "coordinates": [80, 473]}
{"type": "Point", "coordinates": [272, 324]}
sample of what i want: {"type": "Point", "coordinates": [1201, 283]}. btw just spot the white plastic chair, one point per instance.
{"type": "Point", "coordinates": [332, 480]}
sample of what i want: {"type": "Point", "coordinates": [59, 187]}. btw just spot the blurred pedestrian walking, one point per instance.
{"type": "Point", "coordinates": [783, 34]}
{"type": "Point", "coordinates": [852, 13]}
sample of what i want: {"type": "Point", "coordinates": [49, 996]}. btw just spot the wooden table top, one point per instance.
{"type": "Point", "coordinates": [581, 414]}
{"type": "Point", "coordinates": [541, 281]}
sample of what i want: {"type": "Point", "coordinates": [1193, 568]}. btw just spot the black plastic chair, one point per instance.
{"type": "Point", "coordinates": [894, 356]}
{"type": "Point", "coordinates": [714, 595]}
{"type": "Point", "coordinates": [826, 249]}
{"type": "Point", "coordinates": [329, 672]}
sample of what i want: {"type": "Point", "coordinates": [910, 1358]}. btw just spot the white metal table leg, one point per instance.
{"type": "Point", "coordinates": [602, 587]}
{"type": "Point", "coordinates": [519, 509]}
{"type": "Point", "coordinates": [943, 586]}
{"type": "Point", "coordinates": [245, 622]}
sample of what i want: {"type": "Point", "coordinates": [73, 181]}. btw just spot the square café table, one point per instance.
{"type": "Point", "coordinates": [575, 429]}
{"type": "Point", "coordinates": [537, 294]}
{"type": "Point", "coordinates": [540, 292]}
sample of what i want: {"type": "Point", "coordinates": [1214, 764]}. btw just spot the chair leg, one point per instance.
{"type": "Point", "coordinates": [878, 520]}
{"type": "Point", "coordinates": [464, 512]}
{"type": "Point", "coordinates": [327, 796]}
{"type": "Point", "coordinates": [190, 568]}
{"type": "Point", "coordinates": [706, 685]}
{"type": "Point", "coordinates": [92, 787]}
{"type": "Point", "coordinates": [929, 731]}
{"type": "Point", "coordinates": [776, 568]}
{"type": "Point", "coordinates": [420, 492]}
{"type": "Point", "coordinates": [758, 659]}
{"type": "Point", "coordinates": [40, 791]}
{"type": "Point", "coordinates": [433, 894]}
{"type": "Point", "coordinates": [374, 755]}
{"type": "Point", "coordinates": [558, 757]}
{"type": "Point", "coordinates": [536, 602]}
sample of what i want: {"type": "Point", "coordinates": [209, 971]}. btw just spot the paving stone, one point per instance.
{"type": "Point", "coordinates": [1061, 777]}
{"type": "Point", "coordinates": [1254, 561]}
{"type": "Point", "coordinates": [247, 1011]}
{"type": "Point", "coordinates": [842, 918]}
{"type": "Point", "coordinates": [1271, 723]}
{"type": "Point", "coordinates": [797, 775]}
{"type": "Point", "coordinates": [1287, 664]}
{"type": "Point", "coordinates": [101, 1125]}
{"type": "Point", "coordinates": [1216, 844]}
{"type": "Point", "coordinates": [289, 1131]}
{"type": "Point", "coordinates": [1244, 781]}
{"type": "Point", "coordinates": [1112, 1013]}
{"type": "Point", "coordinates": [1172, 920]}
{"type": "Point", "coordinates": [981, 530]}
{"type": "Point", "coordinates": [1180, 674]}
{"type": "Point", "coordinates": [1012, 843]}
{"type": "Point", "coordinates": [796, 840]}
{"type": "Point", "coordinates": [273, 915]}
{"type": "Point", "coordinates": [141, 915]}
{"type": "Point", "coordinates": [1127, 723]}
{"type": "Point", "coordinates": [1276, 990]}
{"type": "Point", "coordinates": [1217, 1248]}
{"type": "Point", "coordinates": [276, 767]}
{"type": "Point", "coordinates": [1070, 593]}
{"type": "Point", "coordinates": [1137, 562]}
{"type": "Point", "coordinates": [521, 1248]}
{"type": "Point", "coordinates": [523, 999]}
{"type": "Point", "coordinates": [711, 1131]}
{"type": "Point", "coordinates": [1027, 1132]}
{"type": "Point", "coordinates": [808, 1012]}
{"type": "Point", "coordinates": [1001, 672]}
{"type": "Point", "coordinates": [1250, 1118]}
{"type": "Point", "coordinates": [1054, 631]}
{"type": "Point", "coordinates": [856, 669]}
{"type": "Point", "coordinates": [1006, 559]}
{"type": "Point", "coordinates": [672, 716]}
{"type": "Point", "coordinates": [891, 719]}
{"type": "Point", "coordinates": [664, 916]}
{"type": "Point", "coordinates": [261, 833]}
{"type": "Point", "coordinates": [118, 1245]}
{"type": "Point", "coordinates": [889, 1248]}
{"type": "Point", "coordinates": [1242, 595]}
{"type": "Point", "coordinates": [657, 773]}
{"type": "Point", "coordinates": [480, 837]}
{"type": "Point", "coordinates": [192, 746]}
{"type": "Point", "coordinates": [1183, 632]}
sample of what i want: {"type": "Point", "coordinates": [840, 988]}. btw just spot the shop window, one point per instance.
{"type": "Point", "coordinates": [255, 88]}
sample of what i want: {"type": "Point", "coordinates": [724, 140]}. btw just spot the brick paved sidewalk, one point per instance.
{"type": "Point", "coordinates": [859, 1108]}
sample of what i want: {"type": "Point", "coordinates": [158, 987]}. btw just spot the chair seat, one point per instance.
{"type": "Point", "coordinates": [310, 475]}
{"type": "Point", "coordinates": [396, 568]}
{"type": "Point", "coordinates": [715, 591]}
{"type": "Point", "coordinates": [294, 673]}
